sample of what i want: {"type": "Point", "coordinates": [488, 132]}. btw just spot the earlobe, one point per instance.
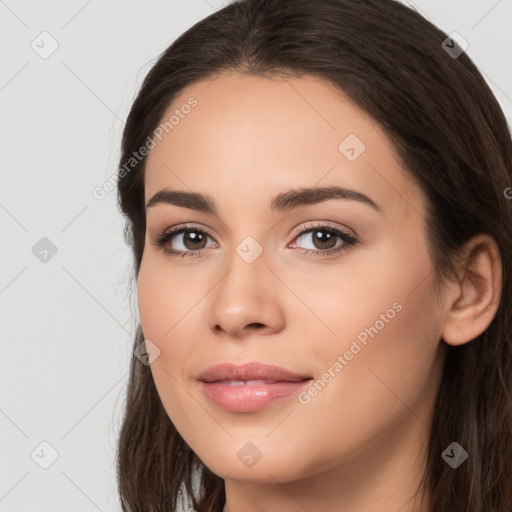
{"type": "Point", "coordinates": [475, 299]}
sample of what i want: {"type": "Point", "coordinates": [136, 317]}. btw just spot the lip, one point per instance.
{"type": "Point", "coordinates": [269, 383]}
{"type": "Point", "coordinates": [249, 371]}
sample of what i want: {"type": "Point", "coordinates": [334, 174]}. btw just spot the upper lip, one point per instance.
{"type": "Point", "coordinates": [249, 371]}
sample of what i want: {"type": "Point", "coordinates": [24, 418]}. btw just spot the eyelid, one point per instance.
{"type": "Point", "coordinates": [185, 226]}
{"type": "Point", "coordinates": [322, 224]}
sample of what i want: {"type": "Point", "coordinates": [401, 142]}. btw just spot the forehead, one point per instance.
{"type": "Point", "coordinates": [249, 138]}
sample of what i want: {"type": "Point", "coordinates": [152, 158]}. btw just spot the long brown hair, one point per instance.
{"type": "Point", "coordinates": [452, 137]}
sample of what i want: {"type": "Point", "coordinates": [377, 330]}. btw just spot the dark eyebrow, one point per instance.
{"type": "Point", "coordinates": [281, 203]}
{"type": "Point", "coordinates": [305, 196]}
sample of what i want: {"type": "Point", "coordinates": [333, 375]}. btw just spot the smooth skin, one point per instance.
{"type": "Point", "coordinates": [358, 445]}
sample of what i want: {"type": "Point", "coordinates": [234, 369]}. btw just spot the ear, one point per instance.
{"type": "Point", "coordinates": [472, 302]}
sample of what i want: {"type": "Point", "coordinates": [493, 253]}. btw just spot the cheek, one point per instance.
{"type": "Point", "coordinates": [165, 301]}
{"type": "Point", "coordinates": [149, 300]}
{"type": "Point", "coordinates": [388, 337]}
{"type": "Point", "coordinates": [380, 318]}
{"type": "Point", "coordinates": [164, 297]}
{"type": "Point", "coordinates": [390, 381]}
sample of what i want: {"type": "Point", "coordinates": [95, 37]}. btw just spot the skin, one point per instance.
{"type": "Point", "coordinates": [358, 445]}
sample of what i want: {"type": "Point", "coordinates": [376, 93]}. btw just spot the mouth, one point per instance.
{"type": "Point", "coordinates": [249, 387]}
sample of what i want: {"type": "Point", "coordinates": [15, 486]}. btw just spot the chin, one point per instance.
{"type": "Point", "coordinates": [245, 464]}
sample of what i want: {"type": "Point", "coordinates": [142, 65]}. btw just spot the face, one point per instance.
{"type": "Point", "coordinates": [333, 287]}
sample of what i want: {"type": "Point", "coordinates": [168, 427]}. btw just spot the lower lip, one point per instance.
{"type": "Point", "coordinates": [249, 398]}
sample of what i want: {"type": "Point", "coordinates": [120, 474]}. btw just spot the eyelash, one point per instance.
{"type": "Point", "coordinates": [348, 239]}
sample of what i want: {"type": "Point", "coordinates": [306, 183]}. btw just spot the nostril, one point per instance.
{"type": "Point", "coordinates": [256, 324]}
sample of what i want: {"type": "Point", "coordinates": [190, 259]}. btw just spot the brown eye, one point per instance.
{"type": "Point", "coordinates": [325, 240]}
{"type": "Point", "coordinates": [184, 241]}
{"type": "Point", "coordinates": [193, 240]}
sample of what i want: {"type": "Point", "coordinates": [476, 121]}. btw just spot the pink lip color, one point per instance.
{"type": "Point", "coordinates": [248, 398]}
{"type": "Point", "coordinates": [279, 383]}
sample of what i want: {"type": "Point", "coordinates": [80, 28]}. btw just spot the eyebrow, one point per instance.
{"type": "Point", "coordinates": [283, 202]}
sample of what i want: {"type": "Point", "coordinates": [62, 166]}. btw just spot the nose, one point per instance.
{"type": "Point", "coordinates": [247, 299]}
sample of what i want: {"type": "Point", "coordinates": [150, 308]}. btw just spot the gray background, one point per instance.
{"type": "Point", "coordinates": [67, 321]}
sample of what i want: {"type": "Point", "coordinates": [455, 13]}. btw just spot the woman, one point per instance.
{"type": "Point", "coordinates": [316, 199]}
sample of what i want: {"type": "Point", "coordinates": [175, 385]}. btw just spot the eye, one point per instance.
{"type": "Point", "coordinates": [325, 240]}
{"type": "Point", "coordinates": [190, 241]}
